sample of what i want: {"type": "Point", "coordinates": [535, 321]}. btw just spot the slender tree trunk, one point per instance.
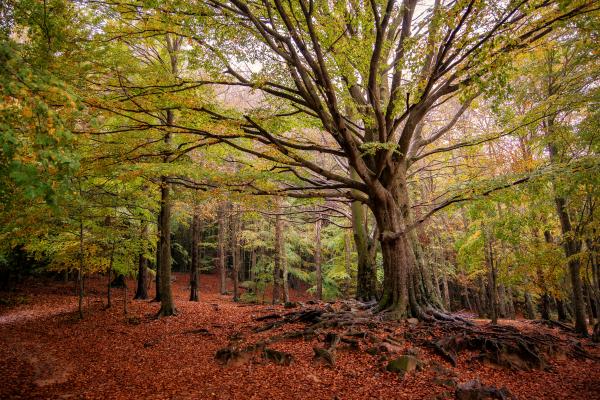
{"type": "Point", "coordinates": [493, 277]}
{"type": "Point", "coordinates": [195, 258]}
{"type": "Point", "coordinates": [158, 251]}
{"type": "Point", "coordinates": [110, 269]}
{"type": "Point", "coordinates": [80, 271]}
{"type": "Point", "coordinates": [446, 292]}
{"type": "Point", "coordinates": [235, 251]}
{"type": "Point", "coordinates": [278, 259]}
{"type": "Point", "coordinates": [221, 250]}
{"type": "Point", "coordinates": [141, 291]}
{"type": "Point", "coordinates": [510, 303]}
{"type": "Point", "coordinates": [502, 301]}
{"type": "Point", "coordinates": [348, 264]}
{"type": "Point", "coordinates": [125, 296]}
{"type": "Point", "coordinates": [318, 271]}
{"type": "Point", "coordinates": [571, 243]}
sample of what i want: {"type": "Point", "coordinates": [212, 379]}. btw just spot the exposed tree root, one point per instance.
{"type": "Point", "coordinates": [447, 335]}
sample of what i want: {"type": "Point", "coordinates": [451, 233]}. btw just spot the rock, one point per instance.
{"type": "Point", "coordinates": [373, 350]}
{"type": "Point", "coordinates": [412, 321]}
{"type": "Point", "coordinates": [290, 304]}
{"type": "Point", "coordinates": [474, 390]}
{"type": "Point", "coordinates": [403, 364]}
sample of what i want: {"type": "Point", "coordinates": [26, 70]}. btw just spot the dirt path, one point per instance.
{"type": "Point", "coordinates": [47, 353]}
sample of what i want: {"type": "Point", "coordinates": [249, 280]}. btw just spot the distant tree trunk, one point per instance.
{"type": "Point", "coordinates": [529, 310]}
{"type": "Point", "coordinates": [502, 301]}
{"type": "Point", "coordinates": [158, 251]}
{"type": "Point", "coordinates": [110, 269]}
{"type": "Point", "coordinates": [125, 297]}
{"type": "Point", "coordinates": [278, 259]}
{"type": "Point", "coordinates": [348, 264]}
{"type": "Point", "coordinates": [80, 271]}
{"type": "Point", "coordinates": [318, 271]}
{"type": "Point", "coordinates": [492, 277]}
{"type": "Point", "coordinates": [253, 265]}
{"type": "Point", "coordinates": [195, 257]}
{"type": "Point", "coordinates": [286, 287]}
{"type": "Point", "coordinates": [141, 291]}
{"type": "Point", "coordinates": [446, 291]}
{"type": "Point", "coordinates": [221, 250]}
{"type": "Point", "coordinates": [561, 310]}
{"type": "Point", "coordinates": [235, 250]}
{"type": "Point", "coordinates": [482, 295]}
{"type": "Point", "coordinates": [510, 305]}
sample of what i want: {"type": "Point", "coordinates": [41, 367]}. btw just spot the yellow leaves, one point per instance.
{"type": "Point", "coordinates": [27, 112]}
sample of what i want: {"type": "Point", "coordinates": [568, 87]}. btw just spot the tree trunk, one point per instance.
{"type": "Point", "coordinates": [529, 310]}
{"type": "Point", "coordinates": [318, 271]}
{"type": "Point", "coordinates": [158, 251]}
{"type": "Point", "coordinates": [195, 258]}
{"type": "Point", "coordinates": [80, 270]}
{"type": "Point", "coordinates": [141, 291]}
{"type": "Point", "coordinates": [110, 269]}
{"type": "Point", "coordinates": [348, 264]}
{"type": "Point", "coordinates": [510, 303]}
{"type": "Point", "coordinates": [167, 307]}
{"type": "Point", "coordinates": [366, 276]}
{"type": "Point", "coordinates": [278, 259]}
{"type": "Point", "coordinates": [221, 250]}
{"type": "Point", "coordinates": [571, 243]}
{"type": "Point", "coordinates": [492, 276]}
{"type": "Point", "coordinates": [235, 250]}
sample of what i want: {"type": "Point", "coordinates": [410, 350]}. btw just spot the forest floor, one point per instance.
{"type": "Point", "coordinates": [46, 352]}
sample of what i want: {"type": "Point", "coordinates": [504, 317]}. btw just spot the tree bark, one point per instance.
{"type": "Point", "coordinates": [235, 221]}
{"type": "Point", "coordinates": [278, 282]}
{"type": "Point", "coordinates": [167, 307]}
{"type": "Point", "coordinates": [195, 258]}
{"type": "Point", "coordinates": [529, 310]}
{"type": "Point", "coordinates": [221, 250]}
{"type": "Point", "coordinates": [366, 276]}
{"type": "Point", "coordinates": [141, 291]}
{"type": "Point", "coordinates": [158, 251]}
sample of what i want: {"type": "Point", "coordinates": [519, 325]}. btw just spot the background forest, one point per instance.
{"type": "Point", "coordinates": [423, 156]}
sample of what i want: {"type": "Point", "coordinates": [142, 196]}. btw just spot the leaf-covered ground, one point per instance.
{"type": "Point", "coordinates": [46, 352]}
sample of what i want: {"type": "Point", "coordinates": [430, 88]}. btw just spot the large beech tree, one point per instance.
{"type": "Point", "coordinates": [370, 73]}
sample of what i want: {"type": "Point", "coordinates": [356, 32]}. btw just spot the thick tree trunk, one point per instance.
{"type": "Point", "coordinates": [318, 270]}
{"type": "Point", "coordinates": [195, 258]}
{"type": "Point", "coordinates": [167, 306]}
{"type": "Point", "coordinates": [221, 250]}
{"type": "Point", "coordinates": [141, 291]}
{"type": "Point", "coordinates": [502, 301]}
